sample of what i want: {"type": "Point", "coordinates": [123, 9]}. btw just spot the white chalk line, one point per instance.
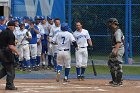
{"type": "Point", "coordinates": [27, 88]}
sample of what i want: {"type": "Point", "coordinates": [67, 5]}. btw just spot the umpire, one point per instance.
{"type": "Point", "coordinates": [7, 51]}
{"type": "Point", "coordinates": [115, 58]}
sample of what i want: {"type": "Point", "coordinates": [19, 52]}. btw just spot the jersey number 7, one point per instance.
{"type": "Point", "coordinates": [63, 40]}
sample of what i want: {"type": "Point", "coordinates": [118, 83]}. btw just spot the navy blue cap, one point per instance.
{"type": "Point", "coordinates": [11, 23]}
{"type": "Point", "coordinates": [10, 16]}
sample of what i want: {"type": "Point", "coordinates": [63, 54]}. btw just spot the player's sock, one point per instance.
{"type": "Point", "coordinates": [49, 60]}
{"type": "Point", "coordinates": [24, 63]}
{"type": "Point", "coordinates": [21, 64]}
{"type": "Point", "coordinates": [33, 62]}
{"type": "Point", "coordinates": [78, 71]}
{"type": "Point", "coordinates": [59, 68]}
{"type": "Point", "coordinates": [82, 71]}
{"type": "Point", "coordinates": [38, 60]}
{"type": "Point", "coordinates": [67, 70]}
{"type": "Point", "coordinates": [54, 61]}
{"type": "Point", "coordinates": [28, 63]}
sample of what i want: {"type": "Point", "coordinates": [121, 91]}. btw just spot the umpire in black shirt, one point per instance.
{"type": "Point", "coordinates": [7, 52]}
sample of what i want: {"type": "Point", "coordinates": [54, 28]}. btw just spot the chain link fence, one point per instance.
{"type": "Point", "coordinates": [94, 14]}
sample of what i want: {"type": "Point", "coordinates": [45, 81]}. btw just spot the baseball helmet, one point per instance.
{"type": "Point", "coordinates": [64, 27]}
{"type": "Point", "coordinates": [112, 20]}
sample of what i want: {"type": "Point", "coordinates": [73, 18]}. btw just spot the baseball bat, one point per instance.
{"type": "Point", "coordinates": [94, 69]}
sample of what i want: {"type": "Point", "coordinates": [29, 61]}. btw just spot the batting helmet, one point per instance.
{"type": "Point", "coordinates": [64, 27]}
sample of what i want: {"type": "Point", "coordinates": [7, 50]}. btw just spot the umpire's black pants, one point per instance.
{"type": "Point", "coordinates": [9, 70]}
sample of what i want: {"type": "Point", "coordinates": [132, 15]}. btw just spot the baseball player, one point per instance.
{"type": "Point", "coordinates": [33, 42]}
{"type": "Point", "coordinates": [44, 41]}
{"type": "Point", "coordinates": [23, 37]}
{"type": "Point", "coordinates": [64, 40]}
{"type": "Point", "coordinates": [83, 39]}
{"type": "Point", "coordinates": [26, 20]}
{"type": "Point", "coordinates": [49, 24]}
{"type": "Point", "coordinates": [54, 30]}
{"type": "Point", "coordinates": [2, 23]}
{"type": "Point", "coordinates": [40, 36]}
{"type": "Point", "coordinates": [115, 59]}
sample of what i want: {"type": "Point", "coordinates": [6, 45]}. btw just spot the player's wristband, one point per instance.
{"type": "Point", "coordinates": [74, 44]}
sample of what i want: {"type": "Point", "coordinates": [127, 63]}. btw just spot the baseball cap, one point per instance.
{"type": "Point", "coordinates": [49, 18]}
{"type": "Point", "coordinates": [26, 17]}
{"type": "Point", "coordinates": [37, 18]}
{"type": "Point", "coordinates": [10, 16]}
{"type": "Point", "coordinates": [42, 17]}
{"type": "Point", "coordinates": [11, 23]}
{"type": "Point", "coordinates": [113, 20]}
{"type": "Point", "coordinates": [2, 18]}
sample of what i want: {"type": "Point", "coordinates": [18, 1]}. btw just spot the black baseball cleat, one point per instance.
{"type": "Point", "coordinates": [110, 82]}
{"type": "Point", "coordinates": [82, 78]}
{"type": "Point", "coordinates": [12, 88]}
{"type": "Point", "coordinates": [115, 84]}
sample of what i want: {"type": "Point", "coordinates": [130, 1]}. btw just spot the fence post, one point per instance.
{"type": "Point", "coordinates": [126, 30]}
{"type": "Point", "coordinates": [69, 12]}
{"type": "Point", "coordinates": [130, 32]}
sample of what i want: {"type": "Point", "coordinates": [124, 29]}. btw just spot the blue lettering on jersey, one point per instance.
{"type": "Point", "coordinates": [80, 36]}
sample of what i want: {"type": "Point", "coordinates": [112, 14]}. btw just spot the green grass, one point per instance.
{"type": "Point", "coordinates": [21, 72]}
{"type": "Point", "coordinates": [102, 69]}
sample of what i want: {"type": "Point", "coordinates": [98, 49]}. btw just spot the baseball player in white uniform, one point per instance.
{"type": "Point", "coordinates": [23, 37]}
{"type": "Point", "coordinates": [83, 39]}
{"type": "Point", "coordinates": [54, 30]}
{"type": "Point", "coordinates": [50, 24]}
{"type": "Point", "coordinates": [64, 40]}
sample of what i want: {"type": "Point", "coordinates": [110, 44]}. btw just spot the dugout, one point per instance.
{"type": "Point", "coordinates": [4, 7]}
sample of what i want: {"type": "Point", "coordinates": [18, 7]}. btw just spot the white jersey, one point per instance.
{"type": "Point", "coordinates": [63, 39]}
{"type": "Point", "coordinates": [47, 27]}
{"type": "Point", "coordinates": [16, 31]}
{"type": "Point", "coordinates": [21, 36]}
{"type": "Point", "coordinates": [81, 37]}
{"type": "Point", "coordinates": [54, 30]}
{"type": "Point", "coordinates": [41, 31]}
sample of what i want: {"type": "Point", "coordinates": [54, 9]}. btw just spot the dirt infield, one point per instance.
{"type": "Point", "coordinates": [74, 86]}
